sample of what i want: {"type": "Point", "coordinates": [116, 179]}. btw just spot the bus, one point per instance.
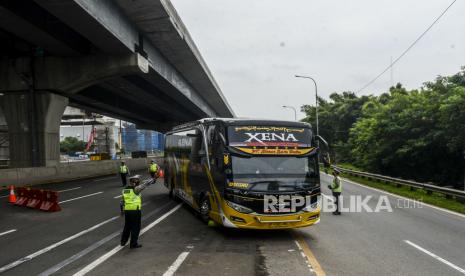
{"type": "Point", "coordinates": [244, 173]}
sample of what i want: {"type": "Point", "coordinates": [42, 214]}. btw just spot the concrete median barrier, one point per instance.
{"type": "Point", "coordinates": [69, 171]}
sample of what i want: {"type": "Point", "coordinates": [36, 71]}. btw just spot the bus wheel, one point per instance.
{"type": "Point", "coordinates": [205, 209]}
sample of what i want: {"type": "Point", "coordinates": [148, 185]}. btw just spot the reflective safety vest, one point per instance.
{"type": "Point", "coordinates": [336, 187]}
{"type": "Point", "coordinates": [132, 201]}
{"type": "Point", "coordinates": [153, 168]}
{"type": "Point", "coordinates": [123, 169]}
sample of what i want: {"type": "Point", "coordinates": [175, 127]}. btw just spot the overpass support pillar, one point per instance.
{"type": "Point", "coordinates": [33, 120]}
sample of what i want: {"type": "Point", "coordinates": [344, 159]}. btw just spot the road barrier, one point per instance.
{"type": "Point", "coordinates": [50, 202]}
{"type": "Point", "coordinates": [22, 197]}
{"type": "Point", "coordinates": [35, 199]}
{"type": "Point", "coordinates": [38, 199]}
{"type": "Point", "coordinates": [429, 188]}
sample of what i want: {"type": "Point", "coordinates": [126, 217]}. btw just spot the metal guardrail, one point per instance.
{"type": "Point", "coordinates": [429, 188]}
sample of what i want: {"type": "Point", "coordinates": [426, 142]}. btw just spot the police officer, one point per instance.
{"type": "Point", "coordinates": [124, 172]}
{"type": "Point", "coordinates": [131, 205]}
{"type": "Point", "coordinates": [153, 169]}
{"type": "Point", "coordinates": [336, 187]}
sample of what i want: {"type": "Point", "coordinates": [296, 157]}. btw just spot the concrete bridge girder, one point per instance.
{"type": "Point", "coordinates": [67, 75]}
{"type": "Point", "coordinates": [33, 107]}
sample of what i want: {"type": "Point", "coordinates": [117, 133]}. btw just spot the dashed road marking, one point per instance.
{"type": "Point", "coordinates": [177, 263]}
{"type": "Point", "coordinates": [95, 245]}
{"type": "Point", "coordinates": [72, 199]}
{"type": "Point", "coordinates": [71, 189]}
{"type": "Point", "coordinates": [459, 269]}
{"type": "Point", "coordinates": [118, 196]}
{"type": "Point", "coordinates": [8, 232]}
{"type": "Point", "coordinates": [115, 250]}
{"type": "Point", "coordinates": [307, 254]}
{"type": "Point", "coordinates": [50, 247]}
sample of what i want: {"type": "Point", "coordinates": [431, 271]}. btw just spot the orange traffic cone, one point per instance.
{"type": "Point", "coordinates": [12, 197]}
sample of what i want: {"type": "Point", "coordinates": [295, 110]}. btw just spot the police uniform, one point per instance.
{"type": "Point", "coordinates": [336, 187]}
{"type": "Point", "coordinates": [132, 205]}
{"type": "Point", "coordinates": [153, 168]}
{"type": "Point", "coordinates": [124, 171]}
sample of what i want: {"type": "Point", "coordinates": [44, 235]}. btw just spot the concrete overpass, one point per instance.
{"type": "Point", "coordinates": [132, 60]}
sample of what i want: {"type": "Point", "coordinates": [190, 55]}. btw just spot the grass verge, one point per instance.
{"type": "Point", "coordinates": [435, 199]}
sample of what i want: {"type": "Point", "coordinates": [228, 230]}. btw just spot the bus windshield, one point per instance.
{"type": "Point", "coordinates": [274, 166]}
{"type": "Point", "coordinates": [276, 174]}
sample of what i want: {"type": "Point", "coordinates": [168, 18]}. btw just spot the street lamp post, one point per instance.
{"type": "Point", "coordinates": [316, 99]}
{"type": "Point", "coordinates": [293, 108]}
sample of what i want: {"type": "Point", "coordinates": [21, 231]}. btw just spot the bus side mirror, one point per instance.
{"type": "Point", "coordinates": [319, 138]}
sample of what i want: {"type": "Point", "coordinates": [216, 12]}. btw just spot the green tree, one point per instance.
{"type": "Point", "coordinates": [71, 145]}
{"type": "Point", "coordinates": [336, 117]}
{"type": "Point", "coordinates": [414, 134]}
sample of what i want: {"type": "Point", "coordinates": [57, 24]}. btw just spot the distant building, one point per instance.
{"type": "Point", "coordinates": [141, 140]}
{"type": "Point", "coordinates": [76, 123]}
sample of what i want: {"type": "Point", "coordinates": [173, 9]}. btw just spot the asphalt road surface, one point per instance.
{"type": "Point", "coordinates": [84, 238]}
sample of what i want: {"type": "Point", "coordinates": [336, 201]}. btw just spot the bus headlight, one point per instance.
{"type": "Point", "coordinates": [239, 208]}
{"type": "Point", "coordinates": [312, 207]}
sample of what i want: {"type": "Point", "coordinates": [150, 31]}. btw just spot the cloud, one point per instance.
{"type": "Point", "coordinates": [254, 48]}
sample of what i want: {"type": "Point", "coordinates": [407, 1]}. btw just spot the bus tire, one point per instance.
{"type": "Point", "coordinates": [205, 209]}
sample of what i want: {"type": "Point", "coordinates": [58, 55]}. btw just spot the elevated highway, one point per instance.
{"type": "Point", "coordinates": [132, 60]}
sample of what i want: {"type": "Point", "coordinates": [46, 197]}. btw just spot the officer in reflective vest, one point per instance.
{"type": "Point", "coordinates": [336, 187]}
{"type": "Point", "coordinates": [153, 169]}
{"type": "Point", "coordinates": [131, 205]}
{"type": "Point", "coordinates": [124, 172]}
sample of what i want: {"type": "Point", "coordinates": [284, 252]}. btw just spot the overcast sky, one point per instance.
{"type": "Point", "coordinates": [255, 47]}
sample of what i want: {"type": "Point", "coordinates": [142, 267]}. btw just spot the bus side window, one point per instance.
{"type": "Point", "coordinates": [196, 147]}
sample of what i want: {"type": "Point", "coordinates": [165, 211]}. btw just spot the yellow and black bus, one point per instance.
{"type": "Point", "coordinates": [243, 173]}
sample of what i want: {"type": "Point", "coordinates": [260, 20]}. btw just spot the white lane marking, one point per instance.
{"type": "Point", "coordinates": [402, 197]}
{"type": "Point", "coordinates": [95, 245]}
{"type": "Point", "coordinates": [304, 256]}
{"type": "Point", "coordinates": [115, 250]}
{"type": "Point", "coordinates": [102, 179]}
{"type": "Point", "coordinates": [177, 263]}
{"type": "Point", "coordinates": [8, 232]}
{"type": "Point", "coordinates": [298, 245]}
{"type": "Point", "coordinates": [71, 189]}
{"type": "Point", "coordinates": [118, 196]}
{"type": "Point", "coordinates": [79, 255]}
{"type": "Point", "coordinates": [50, 247]}
{"type": "Point", "coordinates": [459, 269]}
{"type": "Point", "coordinates": [68, 200]}
{"type": "Point", "coordinates": [61, 191]}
